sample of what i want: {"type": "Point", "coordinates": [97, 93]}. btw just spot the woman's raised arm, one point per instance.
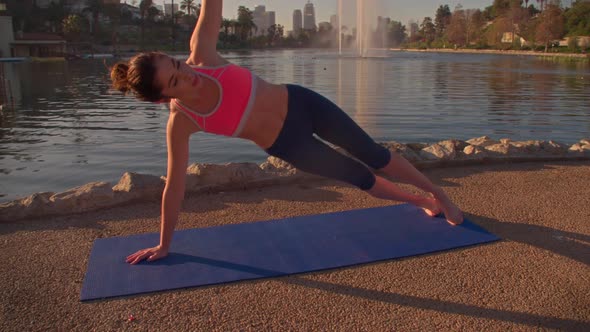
{"type": "Point", "coordinates": [203, 42]}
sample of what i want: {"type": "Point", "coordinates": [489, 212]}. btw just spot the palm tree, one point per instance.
{"type": "Point", "coordinates": [144, 6]}
{"type": "Point", "coordinates": [113, 10]}
{"type": "Point", "coordinates": [188, 5]}
{"type": "Point", "coordinates": [245, 22]}
{"type": "Point", "coordinates": [95, 7]}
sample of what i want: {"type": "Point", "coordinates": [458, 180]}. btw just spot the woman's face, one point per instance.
{"type": "Point", "coordinates": [176, 78]}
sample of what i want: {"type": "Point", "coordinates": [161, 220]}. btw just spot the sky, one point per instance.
{"type": "Point", "coordinates": [398, 10]}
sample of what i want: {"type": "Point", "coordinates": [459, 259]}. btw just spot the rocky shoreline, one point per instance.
{"type": "Point", "coordinates": [134, 187]}
{"type": "Point", "coordinates": [497, 52]}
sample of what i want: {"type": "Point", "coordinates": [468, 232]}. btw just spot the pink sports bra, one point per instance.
{"type": "Point", "coordinates": [237, 86]}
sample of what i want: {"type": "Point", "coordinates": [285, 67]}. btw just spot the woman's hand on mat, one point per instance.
{"type": "Point", "coordinates": [151, 254]}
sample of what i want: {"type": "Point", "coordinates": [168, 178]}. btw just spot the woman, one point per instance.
{"type": "Point", "coordinates": [207, 93]}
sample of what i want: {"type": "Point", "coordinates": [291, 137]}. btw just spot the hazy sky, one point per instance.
{"type": "Point", "coordinates": [398, 10]}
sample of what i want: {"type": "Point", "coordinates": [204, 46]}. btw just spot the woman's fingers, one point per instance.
{"type": "Point", "coordinates": [138, 256]}
{"type": "Point", "coordinates": [151, 254]}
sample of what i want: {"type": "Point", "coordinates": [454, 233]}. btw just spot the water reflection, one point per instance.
{"type": "Point", "coordinates": [69, 128]}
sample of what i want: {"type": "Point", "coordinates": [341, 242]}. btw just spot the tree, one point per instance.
{"type": "Point", "coordinates": [414, 32]}
{"type": "Point", "coordinates": [275, 33]}
{"type": "Point", "coordinates": [501, 7]}
{"type": "Point", "coordinates": [518, 18]}
{"type": "Point", "coordinates": [496, 31]}
{"type": "Point", "coordinates": [94, 7]}
{"type": "Point", "coordinates": [442, 19]}
{"type": "Point", "coordinates": [577, 19]}
{"type": "Point", "coordinates": [245, 23]}
{"type": "Point", "coordinates": [189, 5]}
{"type": "Point", "coordinates": [475, 24]}
{"type": "Point", "coordinates": [427, 29]}
{"type": "Point", "coordinates": [113, 11]}
{"type": "Point", "coordinates": [55, 14]}
{"type": "Point", "coordinates": [72, 27]}
{"type": "Point", "coordinates": [144, 7]}
{"type": "Point", "coordinates": [457, 29]}
{"type": "Point", "coordinates": [397, 33]}
{"type": "Point", "coordinates": [551, 25]}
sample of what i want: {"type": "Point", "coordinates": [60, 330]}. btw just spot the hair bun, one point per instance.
{"type": "Point", "coordinates": [119, 77]}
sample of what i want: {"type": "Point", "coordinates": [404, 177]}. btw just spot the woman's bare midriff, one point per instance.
{"type": "Point", "coordinates": [266, 118]}
{"type": "Point", "coordinates": [270, 110]}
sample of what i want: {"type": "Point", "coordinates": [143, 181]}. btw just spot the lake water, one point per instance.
{"type": "Point", "coordinates": [68, 128]}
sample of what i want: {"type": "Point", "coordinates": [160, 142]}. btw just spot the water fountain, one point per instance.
{"type": "Point", "coordinates": [366, 13]}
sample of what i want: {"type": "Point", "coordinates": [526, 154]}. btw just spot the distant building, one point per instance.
{"type": "Point", "coordinates": [131, 10]}
{"type": "Point", "coordinates": [309, 16]}
{"type": "Point", "coordinates": [6, 39]}
{"type": "Point", "coordinates": [509, 38]}
{"type": "Point", "coordinates": [271, 19]}
{"type": "Point", "coordinates": [297, 21]}
{"type": "Point", "coordinates": [169, 9]}
{"type": "Point", "coordinates": [38, 45]}
{"type": "Point", "coordinates": [263, 20]}
{"type": "Point", "coordinates": [28, 44]}
{"type": "Point", "coordinates": [334, 21]}
{"type": "Point", "coordinates": [259, 19]}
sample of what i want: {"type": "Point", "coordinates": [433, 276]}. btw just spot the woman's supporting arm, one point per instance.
{"type": "Point", "coordinates": [177, 133]}
{"type": "Point", "coordinates": [203, 42]}
{"type": "Point", "coordinates": [178, 151]}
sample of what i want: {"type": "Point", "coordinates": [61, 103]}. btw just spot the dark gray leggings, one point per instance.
{"type": "Point", "coordinates": [310, 113]}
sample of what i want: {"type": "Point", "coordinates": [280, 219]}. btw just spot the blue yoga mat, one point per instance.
{"type": "Point", "coordinates": [221, 254]}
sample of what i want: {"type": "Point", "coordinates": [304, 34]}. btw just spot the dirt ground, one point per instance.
{"type": "Point", "coordinates": [536, 278]}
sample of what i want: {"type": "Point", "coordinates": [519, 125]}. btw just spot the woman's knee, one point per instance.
{"type": "Point", "coordinates": [379, 158]}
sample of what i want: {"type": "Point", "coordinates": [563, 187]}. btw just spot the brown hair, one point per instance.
{"type": "Point", "coordinates": [138, 76]}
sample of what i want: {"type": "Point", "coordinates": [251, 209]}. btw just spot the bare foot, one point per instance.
{"type": "Point", "coordinates": [452, 212]}
{"type": "Point", "coordinates": [431, 207]}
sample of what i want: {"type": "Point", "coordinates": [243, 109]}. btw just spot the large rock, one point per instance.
{"type": "Point", "coordinates": [34, 205]}
{"type": "Point", "coordinates": [474, 152]}
{"type": "Point", "coordinates": [482, 141]}
{"type": "Point", "coordinates": [457, 145]}
{"type": "Point", "coordinates": [404, 150]}
{"type": "Point", "coordinates": [274, 164]}
{"type": "Point", "coordinates": [501, 150]}
{"type": "Point", "coordinates": [88, 197]}
{"type": "Point", "coordinates": [214, 175]}
{"type": "Point", "coordinates": [444, 151]}
{"type": "Point", "coordinates": [554, 148]}
{"type": "Point", "coordinates": [579, 150]}
{"type": "Point", "coordinates": [135, 186]}
{"type": "Point", "coordinates": [527, 147]}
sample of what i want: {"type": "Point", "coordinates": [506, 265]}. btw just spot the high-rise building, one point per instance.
{"type": "Point", "coordinates": [271, 19]}
{"type": "Point", "coordinates": [297, 21]}
{"type": "Point", "coordinates": [259, 19]}
{"type": "Point", "coordinates": [334, 21]}
{"type": "Point", "coordinates": [168, 9]}
{"type": "Point", "coordinates": [263, 20]}
{"type": "Point", "coordinates": [309, 16]}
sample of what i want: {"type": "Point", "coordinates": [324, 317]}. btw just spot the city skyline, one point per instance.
{"type": "Point", "coordinates": [400, 10]}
